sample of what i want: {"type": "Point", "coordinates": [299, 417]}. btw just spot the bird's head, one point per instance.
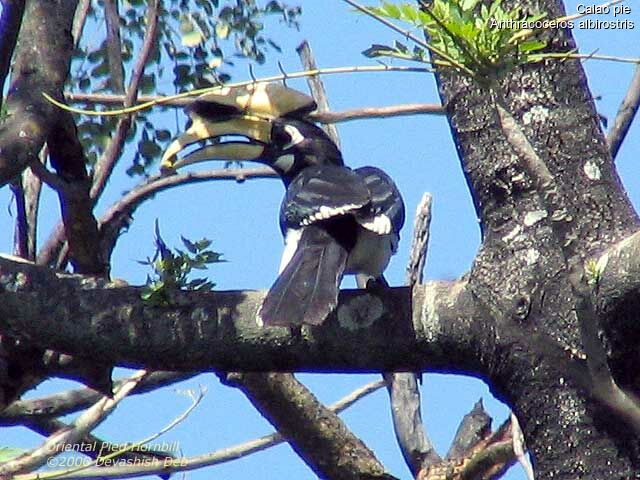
{"type": "Point", "coordinates": [262, 123]}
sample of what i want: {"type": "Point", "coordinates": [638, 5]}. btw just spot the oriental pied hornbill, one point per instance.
{"type": "Point", "coordinates": [335, 220]}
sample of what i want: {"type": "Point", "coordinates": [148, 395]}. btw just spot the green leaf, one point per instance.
{"type": "Point", "coordinates": [222, 30]}
{"type": "Point", "coordinates": [192, 39]}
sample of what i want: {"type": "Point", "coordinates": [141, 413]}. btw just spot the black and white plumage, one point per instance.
{"type": "Point", "coordinates": [335, 220]}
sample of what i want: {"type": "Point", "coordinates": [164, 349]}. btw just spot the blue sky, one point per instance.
{"type": "Point", "coordinates": [417, 152]}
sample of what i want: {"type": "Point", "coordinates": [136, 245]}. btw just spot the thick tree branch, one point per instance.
{"type": "Point", "coordinates": [218, 330]}
{"type": "Point", "coordinates": [404, 393]}
{"type": "Point", "coordinates": [626, 113]}
{"type": "Point", "coordinates": [41, 65]}
{"type": "Point", "coordinates": [53, 251]}
{"type": "Point", "coordinates": [318, 435]}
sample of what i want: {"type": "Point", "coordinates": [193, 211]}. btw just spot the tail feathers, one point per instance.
{"type": "Point", "coordinates": [307, 289]}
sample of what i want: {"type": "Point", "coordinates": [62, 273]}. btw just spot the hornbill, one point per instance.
{"type": "Point", "coordinates": [334, 220]}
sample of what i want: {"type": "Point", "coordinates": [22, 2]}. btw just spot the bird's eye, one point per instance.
{"type": "Point", "coordinates": [288, 136]}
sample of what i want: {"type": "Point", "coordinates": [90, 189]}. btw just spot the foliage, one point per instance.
{"type": "Point", "coordinates": [199, 38]}
{"type": "Point", "coordinates": [466, 35]}
{"type": "Point", "coordinates": [171, 269]}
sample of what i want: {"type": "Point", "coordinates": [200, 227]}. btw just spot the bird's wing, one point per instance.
{"type": "Point", "coordinates": [322, 192]}
{"type": "Point", "coordinates": [306, 291]}
{"type": "Point", "coordinates": [386, 214]}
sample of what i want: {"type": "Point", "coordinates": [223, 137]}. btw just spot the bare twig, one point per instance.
{"type": "Point", "coordinates": [119, 214]}
{"type": "Point", "coordinates": [626, 113]}
{"type": "Point", "coordinates": [79, 428]}
{"type": "Point", "coordinates": [72, 401]}
{"type": "Point", "coordinates": [420, 243]}
{"type": "Point", "coordinates": [10, 20]}
{"type": "Point", "coordinates": [79, 20]}
{"type": "Point", "coordinates": [317, 88]}
{"type": "Point", "coordinates": [209, 459]}
{"type": "Point", "coordinates": [322, 117]}
{"type": "Point", "coordinates": [274, 78]}
{"type": "Point", "coordinates": [114, 45]}
{"type": "Point", "coordinates": [107, 162]}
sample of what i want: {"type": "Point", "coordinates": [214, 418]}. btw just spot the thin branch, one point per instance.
{"type": "Point", "coordinates": [78, 429]}
{"type": "Point", "coordinates": [119, 214]}
{"type": "Point", "coordinates": [420, 243]}
{"type": "Point", "coordinates": [316, 86]}
{"type": "Point", "coordinates": [12, 11]}
{"type": "Point", "coordinates": [209, 459]}
{"type": "Point", "coordinates": [377, 112]}
{"type": "Point", "coordinates": [107, 162]}
{"type": "Point", "coordinates": [71, 401]}
{"type": "Point", "coordinates": [322, 117]}
{"type": "Point", "coordinates": [626, 113]}
{"type": "Point", "coordinates": [114, 45]}
{"type": "Point", "coordinates": [274, 78]}
{"type": "Point", "coordinates": [79, 20]}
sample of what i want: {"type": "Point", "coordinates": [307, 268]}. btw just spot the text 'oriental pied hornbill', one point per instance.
{"type": "Point", "coordinates": [335, 220]}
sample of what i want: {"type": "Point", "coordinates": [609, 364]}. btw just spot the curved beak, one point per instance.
{"type": "Point", "coordinates": [246, 111]}
{"type": "Point", "coordinates": [257, 131]}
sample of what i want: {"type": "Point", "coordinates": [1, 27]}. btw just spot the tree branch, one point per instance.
{"type": "Point", "coordinates": [41, 65]}
{"type": "Point", "coordinates": [71, 401]}
{"type": "Point", "coordinates": [10, 20]}
{"type": "Point", "coordinates": [625, 115]}
{"type": "Point", "coordinates": [104, 167]}
{"type": "Point", "coordinates": [318, 435]}
{"type": "Point", "coordinates": [316, 86]}
{"type": "Point", "coordinates": [217, 330]}
{"type": "Point", "coordinates": [404, 394]}
{"type": "Point", "coordinates": [79, 428]}
{"type": "Point", "coordinates": [114, 46]}
{"type": "Point", "coordinates": [322, 117]}
{"type": "Point", "coordinates": [209, 459]}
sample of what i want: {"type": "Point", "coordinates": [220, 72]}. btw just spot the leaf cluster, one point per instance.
{"type": "Point", "coordinates": [467, 35]}
{"type": "Point", "coordinates": [172, 268]}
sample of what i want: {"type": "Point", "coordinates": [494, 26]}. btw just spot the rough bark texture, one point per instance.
{"type": "Point", "coordinates": [520, 275]}
{"type": "Point", "coordinates": [515, 319]}
{"type": "Point", "coordinates": [89, 317]}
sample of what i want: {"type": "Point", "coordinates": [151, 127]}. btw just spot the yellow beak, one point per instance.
{"type": "Point", "coordinates": [255, 128]}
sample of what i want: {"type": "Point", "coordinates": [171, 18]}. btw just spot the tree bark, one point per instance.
{"type": "Point", "coordinates": [521, 273]}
